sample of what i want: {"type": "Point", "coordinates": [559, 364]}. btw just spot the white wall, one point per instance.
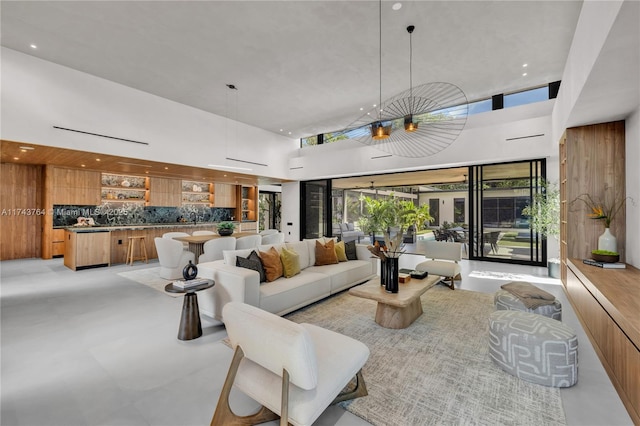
{"type": "Point", "coordinates": [632, 169]}
{"type": "Point", "coordinates": [36, 95]}
{"type": "Point", "coordinates": [290, 212]}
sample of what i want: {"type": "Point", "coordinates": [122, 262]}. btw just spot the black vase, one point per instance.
{"type": "Point", "coordinates": [391, 278]}
{"type": "Point", "coordinates": [225, 232]}
{"type": "Point", "coordinates": [383, 272]}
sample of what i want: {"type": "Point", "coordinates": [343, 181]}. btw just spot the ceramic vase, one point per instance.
{"type": "Point", "coordinates": [607, 241]}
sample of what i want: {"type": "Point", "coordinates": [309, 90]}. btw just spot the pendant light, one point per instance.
{"type": "Point", "coordinates": [409, 125]}
{"type": "Point", "coordinates": [378, 130]}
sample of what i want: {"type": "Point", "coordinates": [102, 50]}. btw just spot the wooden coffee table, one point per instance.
{"type": "Point", "coordinates": [396, 310]}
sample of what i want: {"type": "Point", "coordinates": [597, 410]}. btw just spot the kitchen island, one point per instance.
{"type": "Point", "coordinates": [91, 246]}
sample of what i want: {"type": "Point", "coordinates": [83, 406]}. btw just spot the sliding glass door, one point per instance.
{"type": "Point", "coordinates": [498, 194]}
{"type": "Point", "coordinates": [315, 208]}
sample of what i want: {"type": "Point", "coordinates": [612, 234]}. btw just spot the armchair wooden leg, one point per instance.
{"type": "Point", "coordinates": [359, 390]}
{"type": "Point", "coordinates": [223, 415]}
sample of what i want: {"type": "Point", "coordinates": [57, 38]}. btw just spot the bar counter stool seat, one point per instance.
{"type": "Point", "coordinates": [142, 250]}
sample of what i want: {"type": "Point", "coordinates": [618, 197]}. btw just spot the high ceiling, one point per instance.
{"type": "Point", "coordinates": [305, 67]}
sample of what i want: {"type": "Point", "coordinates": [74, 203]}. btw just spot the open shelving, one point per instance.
{"type": "Point", "coordinates": [199, 193]}
{"type": "Point", "coordinates": [124, 188]}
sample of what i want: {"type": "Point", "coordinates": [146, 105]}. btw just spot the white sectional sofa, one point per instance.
{"type": "Point", "coordinates": [284, 295]}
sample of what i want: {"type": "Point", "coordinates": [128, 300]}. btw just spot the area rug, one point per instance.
{"type": "Point", "coordinates": [437, 371]}
{"type": "Point", "coordinates": [151, 278]}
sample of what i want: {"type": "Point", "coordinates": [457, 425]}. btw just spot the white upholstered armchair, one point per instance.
{"type": "Point", "coordinates": [297, 378]}
{"type": "Point", "coordinates": [173, 258]}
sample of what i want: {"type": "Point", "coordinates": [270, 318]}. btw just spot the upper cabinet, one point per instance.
{"type": "Point", "coordinates": [75, 186]}
{"type": "Point", "coordinates": [165, 192]}
{"type": "Point", "coordinates": [124, 188]}
{"type": "Point", "coordinates": [224, 195]}
{"type": "Point", "coordinates": [198, 193]}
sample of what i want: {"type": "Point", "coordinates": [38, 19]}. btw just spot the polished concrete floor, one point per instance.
{"type": "Point", "coordinates": [92, 348]}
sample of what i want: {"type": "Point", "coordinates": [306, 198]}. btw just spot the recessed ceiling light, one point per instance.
{"type": "Point", "coordinates": [281, 130]}
{"type": "Point", "coordinates": [227, 167]}
{"type": "Point", "coordinates": [82, 165]}
{"type": "Point", "coordinates": [16, 158]}
{"type": "Point", "coordinates": [33, 46]}
{"type": "Point", "coordinates": [525, 65]}
{"type": "Point", "coordinates": [23, 150]}
{"type": "Point", "coordinates": [361, 109]}
{"type": "Point", "coordinates": [374, 105]}
{"type": "Point", "coordinates": [166, 168]}
{"type": "Point", "coordinates": [396, 6]}
{"type": "Point", "coordinates": [524, 74]}
{"type": "Point", "coordinates": [27, 147]}
{"type": "Point", "coordinates": [97, 159]}
{"type": "Point", "coordinates": [289, 132]}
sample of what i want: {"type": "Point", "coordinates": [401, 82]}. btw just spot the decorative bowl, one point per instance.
{"type": "Point", "coordinates": [606, 258]}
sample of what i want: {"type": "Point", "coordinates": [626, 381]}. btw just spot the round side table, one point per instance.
{"type": "Point", "coordinates": [190, 325]}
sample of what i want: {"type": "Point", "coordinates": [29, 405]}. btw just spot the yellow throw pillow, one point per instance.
{"type": "Point", "coordinates": [325, 253]}
{"type": "Point", "coordinates": [341, 252]}
{"type": "Point", "coordinates": [290, 262]}
{"type": "Point", "coordinates": [271, 263]}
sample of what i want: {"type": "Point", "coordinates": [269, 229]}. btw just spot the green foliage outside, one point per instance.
{"type": "Point", "coordinates": [544, 210]}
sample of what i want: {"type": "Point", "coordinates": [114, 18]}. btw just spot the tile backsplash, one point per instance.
{"type": "Point", "coordinates": [137, 214]}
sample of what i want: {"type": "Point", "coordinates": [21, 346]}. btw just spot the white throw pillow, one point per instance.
{"type": "Point", "coordinates": [311, 249]}
{"type": "Point", "coordinates": [300, 247]}
{"type": "Point", "coordinates": [266, 247]}
{"type": "Point", "coordinates": [230, 255]}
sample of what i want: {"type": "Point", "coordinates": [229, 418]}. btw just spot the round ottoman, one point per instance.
{"type": "Point", "coordinates": [534, 348]}
{"type": "Point", "coordinates": [508, 302]}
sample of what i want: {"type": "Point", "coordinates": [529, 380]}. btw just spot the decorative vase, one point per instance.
{"type": "Point", "coordinates": [607, 241]}
{"type": "Point", "coordinates": [383, 272]}
{"type": "Point", "coordinates": [391, 282]}
{"type": "Point", "coordinates": [225, 232]}
{"type": "Point", "coordinates": [190, 271]}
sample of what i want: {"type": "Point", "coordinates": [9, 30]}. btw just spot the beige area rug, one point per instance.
{"type": "Point", "coordinates": [151, 278]}
{"type": "Point", "coordinates": [437, 371]}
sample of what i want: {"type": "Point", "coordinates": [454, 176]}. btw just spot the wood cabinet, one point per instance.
{"type": "Point", "coordinates": [57, 243]}
{"type": "Point", "coordinates": [224, 195]}
{"type": "Point", "coordinates": [607, 303]}
{"type": "Point", "coordinates": [249, 227]}
{"type": "Point", "coordinates": [165, 192]}
{"type": "Point", "coordinates": [87, 249]}
{"type": "Point", "coordinates": [248, 205]}
{"type": "Point", "coordinates": [76, 187]}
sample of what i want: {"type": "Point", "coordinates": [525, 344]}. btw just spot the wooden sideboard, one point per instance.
{"type": "Point", "coordinates": [607, 302]}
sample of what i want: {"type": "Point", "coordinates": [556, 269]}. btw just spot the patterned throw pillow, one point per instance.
{"type": "Point", "coordinates": [350, 250]}
{"type": "Point", "coordinates": [340, 252]}
{"type": "Point", "coordinates": [272, 264]}
{"type": "Point", "coordinates": [325, 253]}
{"type": "Point", "coordinates": [290, 262]}
{"type": "Point", "coordinates": [248, 263]}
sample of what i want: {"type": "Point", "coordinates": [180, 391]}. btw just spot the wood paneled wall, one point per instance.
{"type": "Point", "coordinates": [21, 211]}
{"type": "Point", "coordinates": [595, 165]}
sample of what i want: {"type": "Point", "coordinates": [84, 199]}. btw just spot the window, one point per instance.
{"type": "Point", "coordinates": [458, 210]}
{"type": "Point", "coordinates": [526, 97]}
{"type": "Point", "coordinates": [434, 211]}
{"type": "Point", "coordinates": [480, 106]}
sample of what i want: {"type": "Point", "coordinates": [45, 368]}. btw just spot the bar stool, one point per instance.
{"type": "Point", "coordinates": [142, 250]}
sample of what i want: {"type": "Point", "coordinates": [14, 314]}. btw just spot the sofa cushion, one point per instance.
{"type": "Point", "coordinates": [340, 252]}
{"type": "Point", "coordinates": [290, 262]}
{"type": "Point", "coordinates": [266, 247]}
{"type": "Point", "coordinates": [229, 256]}
{"type": "Point", "coordinates": [350, 250]}
{"type": "Point", "coordinates": [252, 262]}
{"type": "Point", "coordinates": [344, 227]}
{"type": "Point", "coordinates": [287, 295]}
{"type": "Point", "coordinates": [343, 275]}
{"type": "Point", "coordinates": [351, 226]}
{"type": "Point", "coordinates": [325, 253]}
{"type": "Point", "coordinates": [311, 248]}
{"type": "Point", "coordinates": [272, 264]}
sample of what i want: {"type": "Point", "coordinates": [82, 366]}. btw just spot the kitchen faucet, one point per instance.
{"type": "Point", "coordinates": [195, 218]}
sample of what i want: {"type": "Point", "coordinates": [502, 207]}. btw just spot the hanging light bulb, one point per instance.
{"type": "Point", "coordinates": [378, 129]}
{"type": "Point", "coordinates": [409, 125]}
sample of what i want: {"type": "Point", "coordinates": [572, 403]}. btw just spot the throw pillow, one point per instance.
{"type": "Point", "coordinates": [350, 250]}
{"type": "Point", "coordinates": [351, 226]}
{"type": "Point", "coordinates": [271, 263]}
{"type": "Point", "coordinates": [254, 256]}
{"type": "Point", "coordinates": [344, 227]}
{"type": "Point", "coordinates": [253, 264]}
{"type": "Point", "coordinates": [300, 247]}
{"type": "Point", "coordinates": [325, 253]}
{"type": "Point", "coordinates": [340, 252]}
{"type": "Point", "coordinates": [290, 262]}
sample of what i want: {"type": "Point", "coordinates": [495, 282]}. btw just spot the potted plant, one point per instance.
{"type": "Point", "coordinates": [544, 218]}
{"type": "Point", "coordinates": [226, 228]}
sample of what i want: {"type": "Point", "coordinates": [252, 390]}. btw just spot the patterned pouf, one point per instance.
{"type": "Point", "coordinates": [508, 302]}
{"type": "Point", "coordinates": [534, 348]}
